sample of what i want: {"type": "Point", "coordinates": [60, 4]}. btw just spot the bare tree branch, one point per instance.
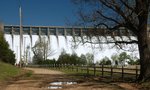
{"type": "Point", "coordinates": [127, 5]}
{"type": "Point", "coordinates": [111, 19]}
{"type": "Point", "coordinates": [115, 42]}
{"type": "Point", "coordinates": [115, 8]}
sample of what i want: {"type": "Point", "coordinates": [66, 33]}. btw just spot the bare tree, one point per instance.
{"type": "Point", "coordinates": [115, 15]}
{"type": "Point", "coordinates": [90, 58]}
{"type": "Point", "coordinates": [42, 50]}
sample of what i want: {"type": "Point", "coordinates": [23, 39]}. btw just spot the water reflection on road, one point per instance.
{"type": "Point", "coordinates": [59, 85]}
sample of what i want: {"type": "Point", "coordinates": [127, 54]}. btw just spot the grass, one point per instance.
{"type": "Point", "coordinates": [77, 72]}
{"type": "Point", "coordinates": [145, 86]}
{"type": "Point", "coordinates": [80, 71]}
{"type": "Point", "coordinates": [28, 74]}
{"type": "Point", "coordinates": [8, 71]}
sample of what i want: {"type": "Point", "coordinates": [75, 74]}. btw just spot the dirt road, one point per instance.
{"type": "Point", "coordinates": [41, 79]}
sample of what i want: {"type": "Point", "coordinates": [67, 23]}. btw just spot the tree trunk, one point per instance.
{"type": "Point", "coordinates": [143, 43]}
{"type": "Point", "coordinates": [144, 51]}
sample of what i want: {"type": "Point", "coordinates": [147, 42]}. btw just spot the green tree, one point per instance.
{"type": "Point", "coordinates": [83, 59]}
{"type": "Point", "coordinates": [115, 59]}
{"type": "Point", "coordinates": [74, 59]}
{"type": "Point", "coordinates": [105, 61]}
{"type": "Point", "coordinates": [133, 61]}
{"type": "Point", "coordinates": [64, 58]}
{"type": "Point", "coordinates": [115, 14]}
{"type": "Point", "coordinates": [6, 54]}
{"type": "Point", "coordinates": [48, 61]}
{"type": "Point", "coordinates": [123, 58]}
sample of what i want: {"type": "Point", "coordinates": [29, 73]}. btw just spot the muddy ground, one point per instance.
{"type": "Point", "coordinates": [41, 79]}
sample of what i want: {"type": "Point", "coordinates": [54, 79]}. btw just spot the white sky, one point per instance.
{"type": "Point", "coordinates": [82, 49]}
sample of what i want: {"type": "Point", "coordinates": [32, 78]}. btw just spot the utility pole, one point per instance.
{"type": "Point", "coordinates": [21, 37]}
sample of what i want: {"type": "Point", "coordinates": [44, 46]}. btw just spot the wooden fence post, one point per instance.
{"type": "Point", "coordinates": [82, 68]}
{"type": "Point", "coordinates": [122, 72]}
{"type": "Point", "coordinates": [111, 71]}
{"type": "Point", "coordinates": [52, 66]}
{"type": "Point", "coordinates": [65, 66]}
{"type": "Point", "coordinates": [62, 66]}
{"type": "Point", "coordinates": [87, 70]}
{"type": "Point", "coordinates": [77, 67]}
{"type": "Point", "coordinates": [136, 72]}
{"type": "Point", "coordinates": [68, 66]}
{"type": "Point", "coordinates": [59, 66]}
{"type": "Point", "coordinates": [94, 70]}
{"type": "Point", "coordinates": [55, 66]}
{"type": "Point", "coordinates": [72, 67]}
{"type": "Point", "coordinates": [102, 70]}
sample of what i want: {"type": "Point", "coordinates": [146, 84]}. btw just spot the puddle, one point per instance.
{"type": "Point", "coordinates": [62, 83]}
{"type": "Point", "coordinates": [70, 83]}
{"type": "Point", "coordinates": [56, 83]}
{"type": "Point", "coordinates": [59, 85]}
{"type": "Point", "coordinates": [54, 87]}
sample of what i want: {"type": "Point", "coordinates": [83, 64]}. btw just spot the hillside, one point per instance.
{"type": "Point", "coordinates": [7, 71]}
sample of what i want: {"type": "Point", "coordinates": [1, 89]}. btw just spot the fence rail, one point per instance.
{"type": "Point", "coordinates": [100, 70]}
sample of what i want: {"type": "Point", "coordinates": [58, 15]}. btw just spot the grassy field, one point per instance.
{"type": "Point", "coordinates": [8, 71]}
